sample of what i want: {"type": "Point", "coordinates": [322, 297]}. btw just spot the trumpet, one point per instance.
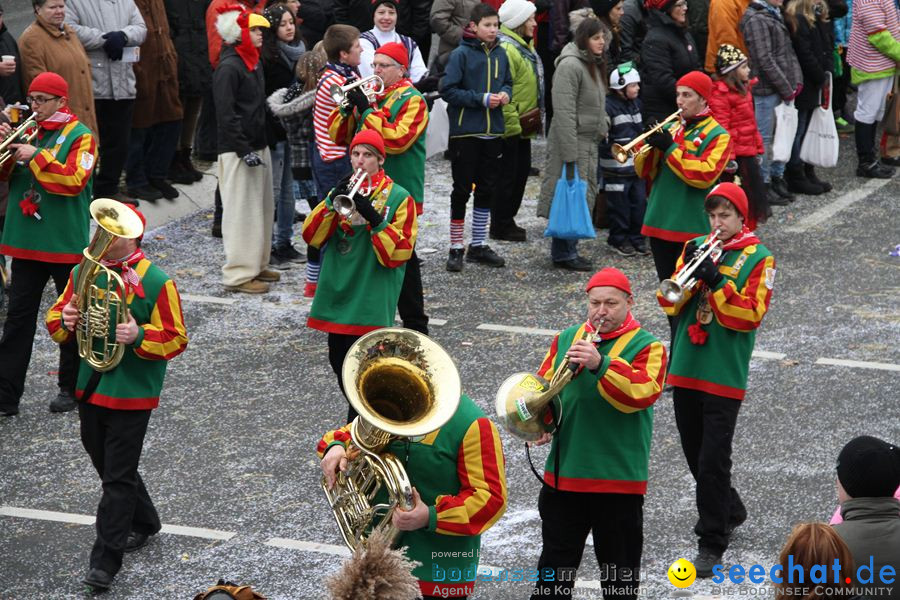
{"type": "Point", "coordinates": [371, 87]}
{"type": "Point", "coordinates": [673, 289]}
{"type": "Point", "coordinates": [343, 204]}
{"type": "Point", "coordinates": [623, 153]}
{"type": "Point", "coordinates": [23, 134]}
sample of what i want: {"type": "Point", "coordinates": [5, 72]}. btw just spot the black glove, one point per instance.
{"type": "Point", "coordinates": [342, 187]}
{"type": "Point", "coordinates": [252, 159]}
{"type": "Point", "coordinates": [115, 41]}
{"type": "Point", "coordinates": [358, 99]}
{"type": "Point", "coordinates": [689, 249]}
{"type": "Point", "coordinates": [661, 139]}
{"type": "Point", "coordinates": [367, 211]}
{"type": "Point", "coordinates": [709, 273]}
{"type": "Point", "coordinates": [429, 83]}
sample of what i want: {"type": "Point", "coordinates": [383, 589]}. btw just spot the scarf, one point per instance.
{"type": "Point", "coordinates": [291, 53]}
{"type": "Point", "coordinates": [627, 325]}
{"type": "Point", "coordinates": [536, 64]}
{"type": "Point", "coordinates": [56, 121]}
{"type": "Point", "coordinates": [129, 275]}
{"type": "Point", "coordinates": [345, 71]}
{"type": "Point", "coordinates": [772, 9]}
{"type": "Point", "coordinates": [741, 240]}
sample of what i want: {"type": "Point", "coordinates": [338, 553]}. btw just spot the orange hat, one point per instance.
{"type": "Point", "coordinates": [369, 137]}
{"type": "Point", "coordinates": [397, 51]}
{"type": "Point", "coordinates": [610, 276]}
{"type": "Point", "coordinates": [49, 82]}
{"type": "Point", "coordinates": [734, 194]}
{"type": "Point", "coordinates": [697, 81]}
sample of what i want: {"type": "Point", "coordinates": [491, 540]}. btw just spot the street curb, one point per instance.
{"type": "Point", "coordinates": [191, 199]}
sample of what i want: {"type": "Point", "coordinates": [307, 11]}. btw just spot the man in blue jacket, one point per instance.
{"type": "Point", "coordinates": [476, 84]}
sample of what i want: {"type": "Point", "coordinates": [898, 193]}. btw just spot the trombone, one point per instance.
{"type": "Point", "coordinates": [673, 289]}
{"type": "Point", "coordinates": [371, 87]}
{"type": "Point", "coordinates": [343, 204]}
{"type": "Point", "coordinates": [623, 153]}
{"type": "Point", "coordinates": [19, 135]}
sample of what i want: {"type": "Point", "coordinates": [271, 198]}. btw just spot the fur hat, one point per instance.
{"type": "Point", "coordinates": [233, 18]}
{"type": "Point", "coordinates": [514, 13]}
{"type": "Point", "coordinates": [697, 81]}
{"type": "Point", "coordinates": [729, 58]}
{"type": "Point", "coordinates": [868, 467]}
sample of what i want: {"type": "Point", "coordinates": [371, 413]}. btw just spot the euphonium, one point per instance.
{"type": "Point", "coordinates": [673, 289]}
{"type": "Point", "coordinates": [403, 385]}
{"type": "Point", "coordinates": [101, 291]}
{"type": "Point", "coordinates": [23, 134]}
{"type": "Point", "coordinates": [523, 398]}
{"type": "Point", "coordinates": [622, 153]}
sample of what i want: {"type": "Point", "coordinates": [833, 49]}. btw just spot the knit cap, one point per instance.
{"type": "Point", "coordinates": [868, 467]}
{"type": "Point", "coordinates": [729, 58]}
{"type": "Point", "coordinates": [514, 13]}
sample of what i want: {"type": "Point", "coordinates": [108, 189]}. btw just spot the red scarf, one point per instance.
{"type": "Point", "coordinates": [56, 121]}
{"type": "Point", "coordinates": [129, 275]}
{"type": "Point", "coordinates": [627, 325]}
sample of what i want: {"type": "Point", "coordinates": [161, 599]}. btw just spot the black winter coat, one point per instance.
{"type": "Point", "coordinates": [278, 74]}
{"type": "Point", "coordinates": [668, 53]}
{"type": "Point", "coordinates": [187, 26]}
{"type": "Point", "coordinates": [240, 104]}
{"type": "Point", "coordinates": [814, 47]}
{"type": "Point", "coordinates": [11, 88]}
{"type": "Point", "coordinates": [632, 30]}
{"type": "Point", "coordinates": [316, 19]}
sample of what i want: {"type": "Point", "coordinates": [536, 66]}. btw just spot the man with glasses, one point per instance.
{"type": "Point", "coordinates": [400, 115]}
{"type": "Point", "coordinates": [47, 227]}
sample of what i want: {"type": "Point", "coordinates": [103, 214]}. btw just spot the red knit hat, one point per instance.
{"type": "Point", "coordinates": [369, 137]}
{"type": "Point", "coordinates": [697, 81]}
{"type": "Point", "coordinates": [49, 83]}
{"type": "Point", "coordinates": [662, 5]}
{"type": "Point", "coordinates": [397, 51]}
{"type": "Point", "coordinates": [141, 217]}
{"type": "Point", "coordinates": [734, 194]}
{"type": "Point", "coordinates": [610, 276]}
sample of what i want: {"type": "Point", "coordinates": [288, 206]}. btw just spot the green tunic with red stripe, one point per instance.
{"type": "Point", "coordinates": [603, 443]}
{"type": "Point", "coordinates": [459, 472]}
{"type": "Point", "coordinates": [721, 364]}
{"type": "Point", "coordinates": [60, 173]}
{"type": "Point", "coordinates": [681, 177]}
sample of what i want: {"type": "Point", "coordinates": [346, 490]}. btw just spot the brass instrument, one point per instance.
{"type": "Point", "coordinates": [343, 204]}
{"type": "Point", "coordinates": [103, 306]}
{"type": "Point", "coordinates": [523, 398]}
{"type": "Point", "coordinates": [371, 87]}
{"type": "Point", "coordinates": [673, 289]}
{"type": "Point", "coordinates": [623, 153]}
{"type": "Point", "coordinates": [23, 134]}
{"type": "Point", "coordinates": [403, 385]}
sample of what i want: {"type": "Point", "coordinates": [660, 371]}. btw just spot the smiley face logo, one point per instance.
{"type": "Point", "coordinates": [682, 573]}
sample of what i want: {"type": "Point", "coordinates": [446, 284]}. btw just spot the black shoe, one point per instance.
{"type": "Point", "coordinates": [874, 170]}
{"type": "Point", "coordinates": [216, 230]}
{"type": "Point", "coordinates": [534, 172]}
{"type": "Point", "coordinates": [775, 199]}
{"type": "Point", "coordinates": [798, 183]}
{"type": "Point", "coordinates": [641, 248]}
{"type": "Point", "coordinates": [98, 579]}
{"type": "Point", "coordinates": [810, 172]}
{"type": "Point", "coordinates": [184, 158]}
{"type": "Point", "coordinates": [277, 261]}
{"type": "Point", "coordinates": [165, 188]}
{"type": "Point", "coordinates": [780, 187]}
{"type": "Point", "coordinates": [150, 194]}
{"type": "Point", "coordinates": [299, 217]}
{"type": "Point", "coordinates": [735, 523]}
{"type": "Point", "coordinates": [513, 233]}
{"type": "Point", "coordinates": [9, 410]}
{"type": "Point", "coordinates": [485, 256]}
{"type": "Point", "coordinates": [455, 261]}
{"type": "Point", "coordinates": [292, 254]}
{"type": "Point", "coordinates": [579, 263]}
{"type": "Point", "coordinates": [705, 561]}
{"type": "Point", "coordinates": [64, 402]}
{"type": "Point", "coordinates": [891, 161]}
{"type": "Point", "coordinates": [623, 249]}
{"type": "Point", "coordinates": [136, 541]}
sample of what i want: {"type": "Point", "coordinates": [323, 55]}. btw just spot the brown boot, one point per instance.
{"type": "Point", "coordinates": [254, 286]}
{"type": "Point", "coordinates": [268, 275]}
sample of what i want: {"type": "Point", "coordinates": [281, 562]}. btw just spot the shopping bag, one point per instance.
{"type": "Point", "coordinates": [891, 120]}
{"type": "Point", "coordinates": [820, 144]}
{"type": "Point", "coordinates": [570, 218]}
{"type": "Point", "coordinates": [785, 130]}
{"type": "Point", "coordinates": [438, 131]}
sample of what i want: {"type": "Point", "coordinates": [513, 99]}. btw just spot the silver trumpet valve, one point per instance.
{"type": "Point", "coordinates": [673, 289]}
{"type": "Point", "coordinates": [344, 204]}
{"type": "Point", "coordinates": [371, 86]}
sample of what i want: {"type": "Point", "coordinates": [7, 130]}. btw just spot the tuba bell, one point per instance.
{"type": "Point", "coordinates": [100, 290]}
{"type": "Point", "coordinates": [404, 386]}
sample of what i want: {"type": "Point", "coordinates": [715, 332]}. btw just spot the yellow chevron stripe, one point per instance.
{"type": "Point", "coordinates": [163, 349]}
{"type": "Point", "coordinates": [753, 316]}
{"type": "Point", "coordinates": [637, 391]}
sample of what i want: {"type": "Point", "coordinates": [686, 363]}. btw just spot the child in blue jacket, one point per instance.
{"type": "Point", "coordinates": [476, 84]}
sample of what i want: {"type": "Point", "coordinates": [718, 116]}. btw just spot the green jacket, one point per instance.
{"type": "Point", "coordinates": [525, 88]}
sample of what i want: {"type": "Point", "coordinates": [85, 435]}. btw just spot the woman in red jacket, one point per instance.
{"type": "Point", "coordinates": [732, 106]}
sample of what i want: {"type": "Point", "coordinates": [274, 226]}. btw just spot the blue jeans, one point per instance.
{"type": "Point", "coordinates": [283, 187]}
{"type": "Point", "coordinates": [561, 249]}
{"type": "Point", "coordinates": [150, 153]}
{"type": "Point", "coordinates": [327, 174]}
{"type": "Point", "coordinates": [803, 117]}
{"type": "Point", "coordinates": [764, 107]}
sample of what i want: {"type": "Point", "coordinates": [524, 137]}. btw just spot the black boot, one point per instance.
{"type": "Point", "coordinates": [774, 198]}
{"type": "Point", "coordinates": [177, 172]}
{"type": "Point", "coordinates": [188, 165]}
{"type": "Point", "coordinates": [869, 166]}
{"type": "Point", "coordinates": [781, 188]}
{"type": "Point", "coordinates": [810, 172]}
{"type": "Point", "coordinates": [798, 183]}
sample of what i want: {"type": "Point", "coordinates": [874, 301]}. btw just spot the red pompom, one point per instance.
{"type": "Point", "coordinates": [697, 334]}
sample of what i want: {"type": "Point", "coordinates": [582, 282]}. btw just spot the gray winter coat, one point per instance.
{"type": "Point", "coordinates": [448, 19]}
{"type": "Point", "coordinates": [113, 80]}
{"type": "Point", "coordinates": [579, 124]}
{"type": "Point", "coordinates": [871, 529]}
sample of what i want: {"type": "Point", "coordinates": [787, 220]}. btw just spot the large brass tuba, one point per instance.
{"type": "Point", "coordinates": [103, 306]}
{"type": "Point", "coordinates": [403, 385]}
{"type": "Point", "coordinates": [523, 398]}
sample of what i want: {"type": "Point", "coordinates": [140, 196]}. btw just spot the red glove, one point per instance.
{"type": "Point", "coordinates": [796, 93]}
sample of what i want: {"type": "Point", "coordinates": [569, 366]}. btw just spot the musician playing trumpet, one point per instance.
{"type": "Point", "coordinates": [595, 476]}
{"type": "Point", "coordinates": [364, 263]}
{"type": "Point", "coordinates": [716, 331]}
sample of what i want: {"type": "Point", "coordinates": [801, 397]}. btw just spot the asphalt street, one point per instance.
{"type": "Point", "coordinates": [230, 451]}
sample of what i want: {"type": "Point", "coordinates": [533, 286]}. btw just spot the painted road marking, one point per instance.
{"type": "Point", "coordinates": [517, 329]}
{"type": "Point", "coordinates": [765, 355]}
{"type": "Point", "coordinates": [208, 299]}
{"type": "Point", "coordinates": [824, 214]}
{"type": "Point", "coordinates": [858, 364]}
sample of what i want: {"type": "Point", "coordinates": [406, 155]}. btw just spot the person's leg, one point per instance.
{"type": "Point", "coordinates": [206, 139]}
{"type": "Point", "coordinates": [565, 523]}
{"type": "Point", "coordinates": [523, 170]}
{"type": "Point", "coordinates": [411, 304]}
{"type": "Point", "coordinates": [114, 122]}
{"type": "Point", "coordinates": [283, 192]}
{"type": "Point", "coordinates": [618, 211]}
{"type": "Point", "coordinates": [764, 109]}
{"type": "Point", "coordinates": [562, 250]}
{"type": "Point", "coordinates": [665, 255]}
{"type": "Point", "coordinates": [161, 148]}
{"type": "Point", "coordinates": [262, 182]}
{"type": "Point", "coordinates": [24, 301]}
{"type": "Point", "coordinates": [501, 209]}
{"type": "Point", "coordinates": [689, 420]}
{"type": "Point", "coordinates": [619, 542]}
{"type": "Point", "coordinates": [68, 353]}
{"type": "Point", "coordinates": [463, 167]}
{"type": "Point", "coordinates": [871, 96]}
{"type": "Point", "coordinates": [636, 192]}
{"type": "Point", "coordinates": [242, 220]}
{"type": "Point", "coordinates": [338, 346]}
{"type": "Point", "coordinates": [486, 180]}
{"type": "Point", "coordinates": [137, 163]}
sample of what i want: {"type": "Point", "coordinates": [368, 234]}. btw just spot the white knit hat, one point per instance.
{"type": "Point", "coordinates": [622, 75]}
{"type": "Point", "coordinates": [515, 12]}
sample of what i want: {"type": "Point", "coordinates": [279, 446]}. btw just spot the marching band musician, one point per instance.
{"type": "Point", "coordinates": [114, 408]}
{"type": "Point", "coordinates": [50, 180]}
{"type": "Point", "coordinates": [715, 338]}
{"type": "Point", "coordinates": [400, 115]}
{"type": "Point", "coordinates": [364, 262]}
{"type": "Point", "coordinates": [596, 473]}
{"type": "Point", "coordinates": [459, 478]}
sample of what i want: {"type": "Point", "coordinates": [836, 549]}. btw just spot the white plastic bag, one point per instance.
{"type": "Point", "coordinates": [438, 132]}
{"type": "Point", "coordinates": [820, 144]}
{"type": "Point", "coordinates": [785, 130]}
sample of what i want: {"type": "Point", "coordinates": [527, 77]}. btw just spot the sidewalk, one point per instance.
{"type": "Point", "coordinates": [191, 198]}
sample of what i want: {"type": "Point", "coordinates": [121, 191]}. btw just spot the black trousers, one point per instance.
{"type": "Point", "coordinates": [706, 425]}
{"type": "Point", "coordinates": [617, 522]}
{"type": "Point", "coordinates": [411, 304]}
{"type": "Point", "coordinates": [114, 123]}
{"type": "Point", "coordinates": [473, 161]}
{"type": "Point", "coordinates": [515, 164]}
{"type": "Point", "coordinates": [338, 345]}
{"type": "Point", "coordinates": [665, 255]}
{"type": "Point", "coordinates": [114, 440]}
{"type": "Point", "coordinates": [206, 137]}
{"type": "Point", "coordinates": [626, 202]}
{"type": "Point", "coordinates": [29, 277]}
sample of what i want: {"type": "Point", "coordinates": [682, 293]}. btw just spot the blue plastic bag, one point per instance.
{"type": "Point", "coordinates": [570, 218]}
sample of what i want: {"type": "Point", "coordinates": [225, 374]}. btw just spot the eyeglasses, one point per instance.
{"type": "Point", "coordinates": [681, 4]}
{"type": "Point", "coordinates": [382, 66]}
{"type": "Point", "coordinates": [39, 100]}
